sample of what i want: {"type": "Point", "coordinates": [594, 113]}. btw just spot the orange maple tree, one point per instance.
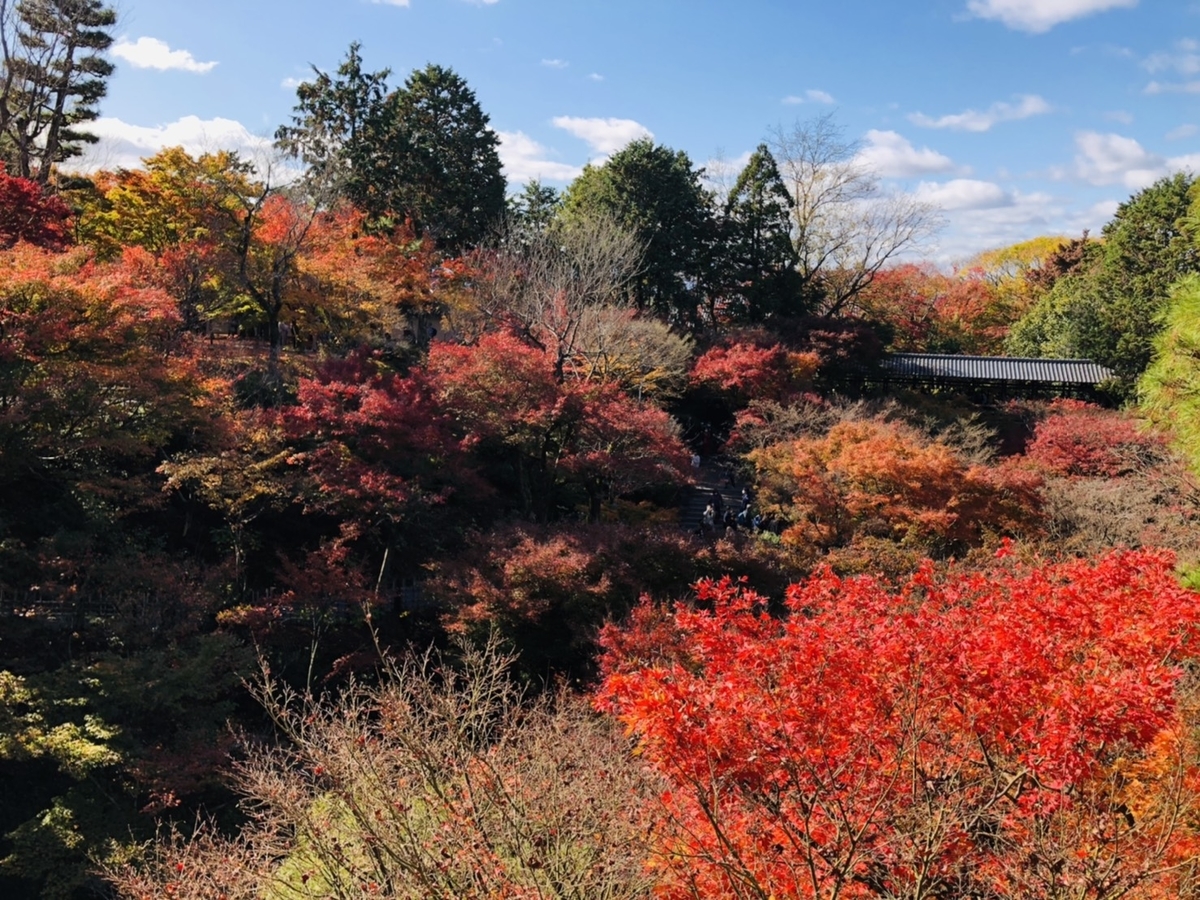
{"type": "Point", "coordinates": [389, 281]}
{"type": "Point", "coordinates": [1019, 733]}
{"type": "Point", "coordinates": [880, 478]}
{"type": "Point", "coordinates": [936, 312]}
{"type": "Point", "coordinates": [91, 366]}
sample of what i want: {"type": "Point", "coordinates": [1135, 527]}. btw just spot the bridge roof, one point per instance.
{"type": "Point", "coordinates": [941, 367]}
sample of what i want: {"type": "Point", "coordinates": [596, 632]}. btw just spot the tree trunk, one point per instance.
{"type": "Point", "coordinates": [62, 91]}
{"type": "Point", "coordinates": [595, 501]}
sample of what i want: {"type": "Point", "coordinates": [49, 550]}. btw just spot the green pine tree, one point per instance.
{"type": "Point", "coordinates": [53, 76]}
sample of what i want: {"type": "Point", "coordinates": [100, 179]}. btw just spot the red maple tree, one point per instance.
{"type": "Point", "coordinates": [1084, 440]}
{"type": "Point", "coordinates": [741, 372]}
{"type": "Point", "coordinates": [514, 413]}
{"type": "Point", "coordinates": [28, 214]}
{"type": "Point", "coordinates": [1014, 734]}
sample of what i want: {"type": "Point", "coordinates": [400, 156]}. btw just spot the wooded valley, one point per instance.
{"type": "Point", "coordinates": [348, 543]}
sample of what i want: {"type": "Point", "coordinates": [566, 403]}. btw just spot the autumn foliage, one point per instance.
{"type": "Point", "coordinates": [90, 366]}
{"type": "Point", "coordinates": [240, 412]}
{"type": "Point", "coordinates": [871, 477]}
{"type": "Point", "coordinates": [1084, 440]}
{"type": "Point", "coordinates": [913, 301]}
{"type": "Point", "coordinates": [372, 441]}
{"type": "Point", "coordinates": [29, 214]}
{"type": "Point", "coordinates": [547, 590]}
{"type": "Point", "coordinates": [969, 310]}
{"type": "Point", "coordinates": [741, 371]}
{"type": "Point", "coordinates": [1019, 733]}
{"type": "Point", "coordinates": [545, 436]}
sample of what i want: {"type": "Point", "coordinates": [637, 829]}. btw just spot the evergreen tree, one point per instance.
{"type": "Point", "coordinates": [432, 156]}
{"type": "Point", "coordinates": [654, 191]}
{"type": "Point", "coordinates": [424, 151]}
{"type": "Point", "coordinates": [760, 260]}
{"type": "Point", "coordinates": [535, 208]}
{"type": "Point", "coordinates": [1148, 246]}
{"type": "Point", "coordinates": [1170, 388]}
{"type": "Point", "coordinates": [1109, 305]}
{"type": "Point", "coordinates": [1070, 321]}
{"type": "Point", "coordinates": [53, 77]}
{"type": "Point", "coordinates": [329, 124]}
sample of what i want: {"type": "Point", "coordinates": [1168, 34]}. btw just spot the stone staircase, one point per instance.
{"type": "Point", "coordinates": [708, 481]}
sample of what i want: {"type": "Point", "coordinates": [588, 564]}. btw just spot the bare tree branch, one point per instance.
{"type": "Point", "coordinates": [845, 226]}
{"type": "Point", "coordinates": [543, 283]}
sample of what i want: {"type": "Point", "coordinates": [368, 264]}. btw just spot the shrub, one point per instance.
{"type": "Point", "coordinates": [441, 782]}
{"type": "Point", "coordinates": [1082, 440]}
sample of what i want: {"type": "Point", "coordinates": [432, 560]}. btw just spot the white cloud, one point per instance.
{"type": "Point", "coordinates": [151, 53]}
{"type": "Point", "coordinates": [1183, 131]}
{"type": "Point", "coordinates": [555, 63]}
{"type": "Point", "coordinates": [604, 136]}
{"type": "Point", "coordinates": [1041, 15]}
{"type": "Point", "coordinates": [1119, 115]}
{"type": "Point", "coordinates": [1102, 212]}
{"type": "Point", "coordinates": [963, 194]}
{"type": "Point", "coordinates": [1178, 87]}
{"type": "Point", "coordinates": [595, 76]}
{"type": "Point", "coordinates": [812, 95]}
{"type": "Point", "coordinates": [291, 83]}
{"type": "Point", "coordinates": [974, 227]}
{"type": "Point", "coordinates": [123, 145]}
{"type": "Point", "coordinates": [1114, 159]}
{"type": "Point", "coordinates": [1184, 59]}
{"type": "Point", "coordinates": [892, 156]}
{"type": "Point", "coordinates": [525, 159]}
{"type": "Point", "coordinates": [982, 216]}
{"type": "Point", "coordinates": [390, 2]}
{"type": "Point", "coordinates": [971, 120]}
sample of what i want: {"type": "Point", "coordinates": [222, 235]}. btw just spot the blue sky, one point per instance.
{"type": "Point", "coordinates": [1016, 117]}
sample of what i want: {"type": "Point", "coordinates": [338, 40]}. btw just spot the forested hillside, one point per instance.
{"type": "Point", "coordinates": [348, 531]}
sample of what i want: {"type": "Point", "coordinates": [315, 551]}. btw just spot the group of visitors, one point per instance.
{"type": "Point", "coordinates": [716, 513]}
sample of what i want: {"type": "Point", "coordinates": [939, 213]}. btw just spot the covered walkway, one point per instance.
{"type": "Point", "coordinates": [996, 377]}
